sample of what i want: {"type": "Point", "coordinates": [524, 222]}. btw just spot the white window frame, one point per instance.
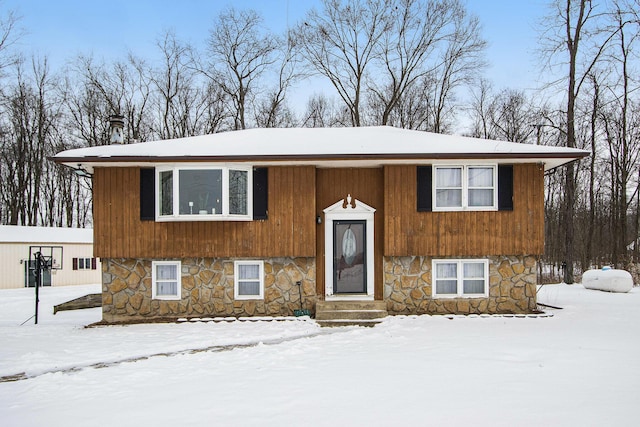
{"type": "Point", "coordinates": [236, 279]}
{"type": "Point", "coordinates": [225, 215]}
{"type": "Point", "coordinates": [465, 188]}
{"type": "Point", "coordinates": [459, 278]}
{"type": "Point", "coordinates": [83, 264]}
{"type": "Point", "coordinates": [154, 281]}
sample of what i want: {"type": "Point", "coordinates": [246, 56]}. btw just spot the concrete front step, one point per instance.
{"type": "Point", "coordinates": [350, 314]}
{"type": "Point", "coordinates": [351, 305]}
{"type": "Point", "coordinates": [344, 322]}
{"type": "Point", "coordinates": [347, 313]}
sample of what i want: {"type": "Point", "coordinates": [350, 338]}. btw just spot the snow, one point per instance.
{"type": "Point", "coordinates": [578, 367]}
{"type": "Point", "coordinates": [328, 144]}
{"type": "Point", "coordinates": [23, 234]}
{"type": "Point", "coordinates": [608, 279]}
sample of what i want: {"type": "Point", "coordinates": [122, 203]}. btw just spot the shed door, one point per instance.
{"type": "Point", "coordinates": [30, 275]}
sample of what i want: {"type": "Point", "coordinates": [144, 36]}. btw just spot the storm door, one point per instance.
{"type": "Point", "coordinates": [349, 271]}
{"type": "Point", "coordinates": [349, 256]}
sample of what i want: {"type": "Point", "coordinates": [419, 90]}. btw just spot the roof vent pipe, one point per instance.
{"type": "Point", "coordinates": [116, 129]}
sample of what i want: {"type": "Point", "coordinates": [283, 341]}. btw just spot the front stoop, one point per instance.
{"type": "Point", "coordinates": [350, 313]}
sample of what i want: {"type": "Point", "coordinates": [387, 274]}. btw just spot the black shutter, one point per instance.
{"type": "Point", "coordinates": [75, 263]}
{"type": "Point", "coordinates": [505, 187]}
{"type": "Point", "coordinates": [424, 198]}
{"type": "Point", "coordinates": [147, 194]}
{"type": "Point", "coordinates": [260, 193]}
{"type": "Point", "coordinates": [93, 264]}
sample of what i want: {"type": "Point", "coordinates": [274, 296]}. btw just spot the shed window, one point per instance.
{"type": "Point", "coordinates": [83, 263]}
{"type": "Point", "coordinates": [204, 193]}
{"type": "Point", "coordinates": [460, 278]}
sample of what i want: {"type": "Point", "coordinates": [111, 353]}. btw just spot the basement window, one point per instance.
{"type": "Point", "coordinates": [248, 280]}
{"type": "Point", "coordinates": [460, 278]}
{"type": "Point", "coordinates": [166, 280]}
{"type": "Point", "coordinates": [204, 193]}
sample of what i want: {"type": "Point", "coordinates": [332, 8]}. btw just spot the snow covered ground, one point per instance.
{"type": "Point", "coordinates": [579, 367]}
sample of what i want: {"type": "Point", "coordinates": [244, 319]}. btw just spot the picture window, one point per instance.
{"type": "Point", "coordinates": [204, 194]}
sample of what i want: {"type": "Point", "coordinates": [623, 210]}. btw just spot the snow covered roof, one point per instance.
{"type": "Point", "coordinates": [22, 234]}
{"type": "Point", "coordinates": [329, 147]}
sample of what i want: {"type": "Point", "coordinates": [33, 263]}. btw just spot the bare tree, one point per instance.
{"type": "Point", "coordinates": [125, 87]}
{"type": "Point", "coordinates": [416, 30]}
{"type": "Point", "coordinates": [87, 110]}
{"type": "Point", "coordinates": [31, 111]}
{"type": "Point", "coordinates": [215, 112]}
{"type": "Point", "coordinates": [481, 111]}
{"type": "Point", "coordinates": [9, 34]}
{"type": "Point", "coordinates": [340, 43]}
{"type": "Point", "coordinates": [173, 84]}
{"type": "Point", "coordinates": [513, 118]}
{"type": "Point", "coordinates": [413, 110]}
{"type": "Point", "coordinates": [572, 24]}
{"type": "Point", "coordinates": [239, 50]}
{"type": "Point", "coordinates": [321, 112]}
{"type": "Point", "coordinates": [434, 43]}
{"type": "Point", "coordinates": [593, 141]}
{"type": "Point", "coordinates": [624, 146]}
{"type": "Point", "coordinates": [272, 110]}
{"type": "Point", "coordinates": [461, 63]}
{"type": "Point", "coordinates": [595, 221]}
{"type": "Point", "coordinates": [180, 100]}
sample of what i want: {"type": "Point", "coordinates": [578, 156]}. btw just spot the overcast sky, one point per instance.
{"type": "Point", "coordinates": [109, 29]}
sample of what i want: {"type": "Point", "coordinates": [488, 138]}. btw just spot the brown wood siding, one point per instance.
{"type": "Point", "coordinates": [365, 185]}
{"type": "Point", "coordinates": [518, 232]}
{"type": "Point", "coordinates": [289, 231]}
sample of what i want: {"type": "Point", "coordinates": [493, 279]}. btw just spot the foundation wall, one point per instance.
{"type": "Point", "coordinates": [408, 287]}
{"type": "Point", "coordinates": [207, 290]}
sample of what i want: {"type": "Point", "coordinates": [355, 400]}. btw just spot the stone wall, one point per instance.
{"type": "Point", "coordinates": [512, 287]}
{"type": "Point", "coordinates": [207, 290]}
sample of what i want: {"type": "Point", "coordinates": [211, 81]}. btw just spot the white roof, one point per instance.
{"type": "Point", "coordinates": [44, 235]}
{"type": "Point", "coordinates": [360, 146]}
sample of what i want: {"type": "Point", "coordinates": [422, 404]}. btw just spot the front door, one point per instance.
{"type": "Point", "coordinates": [349, 252]}
{"type": "Point", "coordinates": [349, 257]}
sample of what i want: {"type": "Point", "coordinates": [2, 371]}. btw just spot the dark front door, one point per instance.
{"type": "Point", "coordinates": [349, 257]}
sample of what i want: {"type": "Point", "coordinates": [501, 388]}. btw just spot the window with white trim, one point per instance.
{"type": "Point", "coordinates": [465, 188]}
{"type": "Point", "coordinates": [460, 278]}
{"type": "Point", "coordinates": [166, 280]}
{"type": "Point", "coordinates": [204, 193]}
{"type": "Point", "coordinates": [248, 279]}
{"type": "Point", "coordinates": [84, 263]}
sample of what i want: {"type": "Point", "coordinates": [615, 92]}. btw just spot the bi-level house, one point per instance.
{"type": "Point", "coordinates": [243, 223]}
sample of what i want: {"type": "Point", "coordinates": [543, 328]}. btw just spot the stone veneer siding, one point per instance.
{"type": "Point", "coordinates": [512, 287]}
{"type": "Point", "coordinates": [207, 290]}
